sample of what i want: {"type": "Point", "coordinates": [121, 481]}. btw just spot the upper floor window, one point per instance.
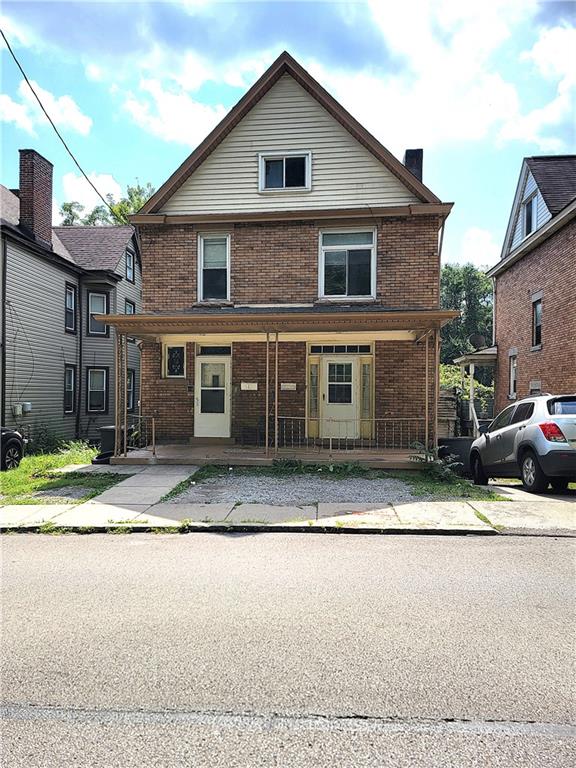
{"type": "Point", "coordinates": [537, 322]}
{"type": "Point", "coordinates": [129, 307]}
{"type": "Point", "coordinates": [214, 267]}
{"type": "Point", "coordinates": [284, 170]}
{"type": "Point", "coordinates": [348, 264]}
{"type": "Point", "coordinates": [529, 215]}
{"type": "Point", "coordinates": [97, 305]}
{"type": "Point", "coordinates": [70, 308]}
{"type": "Point", "coordinates": [129, 265]}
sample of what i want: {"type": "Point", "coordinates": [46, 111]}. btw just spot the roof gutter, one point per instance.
{"type": "Point", "coordinates": [551, 226]}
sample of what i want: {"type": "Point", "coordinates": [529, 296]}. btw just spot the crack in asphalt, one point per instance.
{"type": "Point", "coordinates": [274, 720]}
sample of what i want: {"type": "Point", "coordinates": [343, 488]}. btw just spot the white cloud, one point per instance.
{"type": "Point", "coordinates": [13, 112]}
{"type": "Point", "coordinates": [62, 109]}
{"type": "Point", "coordinates": [76, 188]}
{"type": "Point", "coordinates": [93, 72]}
{"type": "Point", "coordinates": [173, 115]}
{"type": "Point", "coordinates": [477, 247]}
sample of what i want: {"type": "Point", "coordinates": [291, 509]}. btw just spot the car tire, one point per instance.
{"type": "Point", "coordinates": [11, 455]}
{"type": "Point", "coordinates": [559, 483]}
{"type": "Point", "coordinates": [479, 477]}
{"type": "Point", "coordinates": [533, 479]}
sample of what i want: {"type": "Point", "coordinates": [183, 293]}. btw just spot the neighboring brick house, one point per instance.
{"type": "Point", "coordinates": [291, 280]}
{"type": "Point", "coordinates": [535, 284]}
{"type": "Point", "coordinates": [57, 362]}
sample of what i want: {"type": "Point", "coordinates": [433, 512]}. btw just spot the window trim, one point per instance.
{"type": "Point", "coordinates": [200, 269]}
{"type": "Point", "coordinates": [74, 289]}
{"type": "Point", "coordinates": [373, 267]}
{"type": "Point", "coordinates": [131, 371]}
{"type": "Point", "coordinates": [512, 394]}
{"type": "Point", "coordinates": [530, 199]}
{"type": "Point", "coordinates": [277, 155]}
{"type": "Point", "coordinates": [130, 252]}
{"type": "Point", "coordinates": [71, 367]}
{"type": "Point", "coordinates": [165, 373]}
{"type": "Point", "coordinates": [97, 334]}
{"type": "Point", "coordinates": [106, 370]}
{"type": "Point", "coordinates": [536, 345]}
{"type": "Point", "coordinates": [127, 302]}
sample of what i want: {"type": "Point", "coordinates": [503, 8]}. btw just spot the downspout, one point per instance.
{"type": "Point", "coordinates": [3, 381]}
{"type": "Point", "coordinates": [80, 361]}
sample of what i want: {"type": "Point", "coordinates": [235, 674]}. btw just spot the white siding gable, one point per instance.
{"type": "Point", "coordinates": [344, 173]}
{"type": "Point", "coordinates": [542, 212]}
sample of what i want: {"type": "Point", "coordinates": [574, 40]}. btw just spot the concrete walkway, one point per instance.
{"type": "Point", "coordinates": [135, 503]}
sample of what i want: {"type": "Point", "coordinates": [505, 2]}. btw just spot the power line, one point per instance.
{"type": "Point", "coordinates": [66, 147]}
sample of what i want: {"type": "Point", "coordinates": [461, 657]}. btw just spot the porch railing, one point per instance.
{"type": "Point", "coordinates": [141, 433]}
{"type": "Point", "coordinates": [350, 434]}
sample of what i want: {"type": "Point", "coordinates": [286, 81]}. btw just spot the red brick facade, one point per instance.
{"type": "Point", "coordinates": [551, 269]}
{"type": "Point", "coordinates": [276, 263]}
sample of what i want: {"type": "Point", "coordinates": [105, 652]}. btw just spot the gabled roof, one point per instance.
{"type": "Point", "coordinates": [285, 64]}
{"type": "Point", "coordinates": [95, 248]}
{"type": "Point", "coordinates": [555, 176]}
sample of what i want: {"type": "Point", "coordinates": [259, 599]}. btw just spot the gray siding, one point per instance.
{"type": "Point", "coordinates": [344, 173]}
{"type": "Point", "coordinates": [542, 212]}
{"type": "Point", "coordinates": [37, 347]}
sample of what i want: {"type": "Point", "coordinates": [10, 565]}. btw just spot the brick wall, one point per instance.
{"type": "Point", "coordinates": [36, 194]}
{"type": "Point", "coordinates": [550, 268]}
{"type": "Point", "coordinates": [278, 262]}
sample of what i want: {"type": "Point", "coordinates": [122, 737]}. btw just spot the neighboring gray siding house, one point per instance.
{"type": "Point", "coordinates": [57, 363]}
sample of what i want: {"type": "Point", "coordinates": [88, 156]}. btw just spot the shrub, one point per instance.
{"type": "Point", "coordinates": [443, 469]}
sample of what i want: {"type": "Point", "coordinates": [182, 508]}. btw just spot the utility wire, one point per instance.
{"type": "Point", "coordinates": [66, 147]}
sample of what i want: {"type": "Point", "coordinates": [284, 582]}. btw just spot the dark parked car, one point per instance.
{"type": "Point", "coordinates": [12, 448]}
{"type": "Point", "coordinates": [534, 440]}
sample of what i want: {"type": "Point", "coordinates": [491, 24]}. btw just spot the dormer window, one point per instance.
{"type": "Point", "coordinates": [529, 215]}
{"type": "Point", "coordinates": [280, 171]}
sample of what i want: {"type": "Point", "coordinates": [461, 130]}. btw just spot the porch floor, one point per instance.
{"type": "Point", "coordinates": [235, 455]}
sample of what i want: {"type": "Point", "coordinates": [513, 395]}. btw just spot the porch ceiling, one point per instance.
{"type": "Point", "coordinates": [306, 323]}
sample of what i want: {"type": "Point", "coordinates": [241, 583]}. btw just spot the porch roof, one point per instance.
{"type": "Point", "coordinates": [261, 319]}
{"type": "Point", "coordinates": [486, 356]}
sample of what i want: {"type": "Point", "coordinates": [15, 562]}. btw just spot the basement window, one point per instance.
{"type": "Point", "coordinates": [280, 171]}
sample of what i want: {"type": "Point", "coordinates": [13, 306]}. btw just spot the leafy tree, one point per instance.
{"type": "Point", "coordinates": [466, 288]}
{"type": "Point", "coordinates": [117, 213]}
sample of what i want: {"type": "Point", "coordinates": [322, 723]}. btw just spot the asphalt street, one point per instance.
{"type": "Point", "coordinates": [287, 650]}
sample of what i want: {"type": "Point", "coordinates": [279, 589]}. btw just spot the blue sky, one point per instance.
{"type": "Point", "coordinates": [134, 87]}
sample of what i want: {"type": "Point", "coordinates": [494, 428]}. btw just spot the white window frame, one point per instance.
{"type": "Point", "coordinates": [278, 155]}
{"type": "Point", "coordinates": [167, 375]}
{"type": "Point", "coordinates": [89, 390]}
{"type": "Point", "coordinates": [72, 370]}
{"type": "Point", "coordinates": [90, 313]}
{"type": "Point", "coordinates": [130, 255]}
{"type": "Point", "coordinates": [322, 249]}
{"type": "Point", "coordinates": [70, 290]}
{"type": "Point", "coordinates": [512, 366]}
{"type": "Point", "coordinates": [208, 236]}
{"type": "Point", "coordinates": [533, 199]}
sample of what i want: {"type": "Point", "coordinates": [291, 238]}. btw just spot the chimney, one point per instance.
{"type": "Point", "coordinates": [413, 161]}
{"type": "Point", "coordinates": [36, 195]}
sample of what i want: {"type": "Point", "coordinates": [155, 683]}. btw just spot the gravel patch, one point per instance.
{"type": "Point", "coordinates": [66, 493]}
{"type": "Point", "coordinates": [295, 490]}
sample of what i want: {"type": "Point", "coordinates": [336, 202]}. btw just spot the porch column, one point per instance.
{"type": "Point", "coordinates": [125, 391]}
{"type": "Point", "coordinates": [436, 384]}
{"type": "Point", "coordinates": [267, 396]}
{"type": "Point", "coordinates": [276, 397]}
{"type": "Point", "coordinates": [426, 398]}
{"type": "Point", "coordinates": [472, 370]}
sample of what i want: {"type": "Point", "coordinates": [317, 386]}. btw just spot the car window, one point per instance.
{"type": "Point", "coordinates": [564, 407]}
{"type": "Point", "coordinates": [503, 419]}
{"type": "Point", "coordinates": [523, 412]}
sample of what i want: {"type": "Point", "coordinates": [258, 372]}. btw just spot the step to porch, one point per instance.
{"type": "Point", "coordinates": [212, 441]}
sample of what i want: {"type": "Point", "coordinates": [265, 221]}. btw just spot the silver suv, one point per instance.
{"type": "Point", "coordinates": [534, 439]}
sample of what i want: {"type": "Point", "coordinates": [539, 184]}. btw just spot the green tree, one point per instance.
{"type": "Point", "coordinates": [117, 212]}
{"type": "Point", "coordinates": [467, 289]}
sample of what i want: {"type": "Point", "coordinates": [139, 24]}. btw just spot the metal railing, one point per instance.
{"type": "Point", "coordinates": [141, 432]}
{"type": "Point", "coordinates": [350, 434]}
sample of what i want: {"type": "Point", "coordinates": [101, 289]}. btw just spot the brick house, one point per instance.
{"type": "Point", "coordinates": [57, 362]}
{"type": "Point", "coordinates": [535, 284]}
{"type": "Point", "coordinates": [291, 282]}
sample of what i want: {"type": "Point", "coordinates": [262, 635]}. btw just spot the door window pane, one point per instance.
{"type": "Point", "coordinates": [366, 391]}
{"type": "Point", "coordinates": [212, 383]}
{"type": "Point", "coordinates": [359, 278]}
{"type": "Point", "coordinates": [335, 273]}
{"type": "Point", "coordinates": [339, 383]}
{"type": "Point", "coordinates": [313, 402]}
{"type": "Point", "coordinates": [212, 401]}
{"type": "Point", "coordinates": [212, 375]}
{"type": "Point", "coordinates": [339, 393]}
{"type": "Point", "coordinates": [274, 174]}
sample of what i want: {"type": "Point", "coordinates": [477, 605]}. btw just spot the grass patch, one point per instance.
{"type": "Point", "coordinates": [35, 474]}
{"type": "Point", "coordinates": [485, 520]}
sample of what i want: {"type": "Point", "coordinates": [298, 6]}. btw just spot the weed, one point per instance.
{"type": "Point", "coordinates": [487, 521]}
{"type": "Point", "coordinates": [120, 529]}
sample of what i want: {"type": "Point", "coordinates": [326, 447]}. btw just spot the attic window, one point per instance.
{"type": "Point", "coordinates": [529, 215]}
{"type": "Point", "coordinates": [281, 171]}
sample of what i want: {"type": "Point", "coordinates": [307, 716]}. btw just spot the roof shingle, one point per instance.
{"type": "Point", "coordinates": [95, 247]}
{"type": "Point", "coordinates": [555, 176]}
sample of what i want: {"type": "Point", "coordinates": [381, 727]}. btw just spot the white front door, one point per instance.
{"type": "Point", "coordinates": [339, 406]}
{"type": "Point", "coordinates": [212, 397]}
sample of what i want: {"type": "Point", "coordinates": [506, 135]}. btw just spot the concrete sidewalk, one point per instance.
{"type": "Point", "coordinates": [135, 503]}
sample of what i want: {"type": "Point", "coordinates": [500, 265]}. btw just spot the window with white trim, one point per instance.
{"type": "Point", "coordinates": [70, 308]}
{"type": "Point", "coordinates": [537, 323]}
{"type": "Point", "coordinates": [280, 171]}
{"type": "Point", "coordinates": [97, 305]}
{"type": "Point", "coordinates": [529, 216]}
{"type": "Point", "coordinates": [348, 264]}
{"type": "Point", "coordinates": [97, 390]}
{"type": "Point", "coordinates": [512, 375]}
{"type": "Point", "coordinates": [69, 388]}
{"type": "Point", "coordinates": [214, 267]}
{"type": "Point", "coordinates": [129, 265]}
{"type": "Point", "coordinates": [175, 362]}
